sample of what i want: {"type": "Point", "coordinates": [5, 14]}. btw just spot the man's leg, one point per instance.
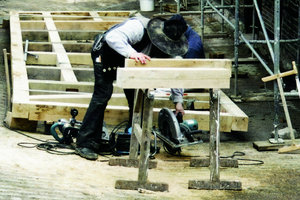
{"type": "Point", "coordinates": [129, 93]}
{"type": "Point", "coordinates": [88, 140]}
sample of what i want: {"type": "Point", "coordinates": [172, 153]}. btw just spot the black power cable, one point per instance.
{"type": "Point", "coordinates": [239, 153]}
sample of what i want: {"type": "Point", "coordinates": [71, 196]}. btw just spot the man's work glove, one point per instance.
{"type": "Point", "coordinates": [139, 57]}
{"type": "Point", "coordinates": [179, 108]}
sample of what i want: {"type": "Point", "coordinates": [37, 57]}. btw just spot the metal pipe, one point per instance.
{"type": "Point", "coordinates": [178, 6]}
{"type": "Point", "coordinates": [222, 23]}
{"type": "Point", "coordinates": [272, 41]}
{"type": "Point", "coordinates": [236, 46]}
{"type": "Point", "coordinates": [276, 64]}
{"type": "Point", "coordinates": [26, 50]}
{"type": "Point", "coordinates": [202, 19]}
{"type": "Point", "coordinates": [264, 30]}
{"type": "Point", "coordinates": [298, 44]}
{"type": "Point", "coordinates": [230, 6]}
{"type": "Point", "coordinates": [253, 28]}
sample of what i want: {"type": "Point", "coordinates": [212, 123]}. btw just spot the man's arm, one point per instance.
{"type": "Point", "coordinates": [123, 37]}
{"type": "Point", "coordinates": [177, 98]}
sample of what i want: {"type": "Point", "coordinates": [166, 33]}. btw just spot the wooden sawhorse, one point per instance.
{"type": "Point", "coordinates": [172, 73]}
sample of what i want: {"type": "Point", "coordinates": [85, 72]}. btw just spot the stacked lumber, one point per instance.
{"type": "Point", "coordinates": [52, 71]}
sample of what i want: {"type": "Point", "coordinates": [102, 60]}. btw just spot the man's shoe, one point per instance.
{"type": "Point", "coordinates": [86, 153]}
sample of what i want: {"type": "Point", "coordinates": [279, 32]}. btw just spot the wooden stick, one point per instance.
{"type": "Point", "coordinates": [286, 111]}
{"type": "Point", "coordinates": [287, 73]}
{"type": "Point", "coordinates": [7, 79]}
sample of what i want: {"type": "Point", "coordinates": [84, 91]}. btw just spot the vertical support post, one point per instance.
{"type": "Point", "coordinates": [276, 64]}
{"type": "Point", "coordinates": [298, 44]}
{"type": "Point", "coordinates": [253, 27]}
{"type": "Point", "coordinates": [236, 46]}
{"type": "Point", "coordinates": [136, 119]}
{"type": "Point", "coordinates": [146, 134]}
{"type": "Point", "coordinates": [178, 6]}
{"type": "Point", "coordinates": [214, 152]}
{"type": "Point", "coordinates": [202, 19]}
{"type": "Point", "coordinates": [214, 141]}
{"type": "Point", "coordinates": [222, 23]}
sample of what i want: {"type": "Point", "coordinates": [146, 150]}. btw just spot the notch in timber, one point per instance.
{"type": "Point", "coordinates": [72, 90]}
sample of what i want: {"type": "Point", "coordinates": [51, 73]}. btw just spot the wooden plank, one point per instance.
{"type": "Point", "coordinates": [53, 73]}
{"type": "Point", "coordinates": [186, 63]}
{"type": "Point", "coordinates": [136, 77]}
{"type": "Point", "coordinates": [61, 86]}
{"type": "Point", "coordinates": [62, 59]}
{"type": "Point", "coordinates": [70, 25]}
{"type": "Point", "coordinates": [77, 35]}
{"type": "Point", "coordinates": [20, 89]}
{"type": "Point", "coordinates": [267, 146]}
{"type": "Point", "coordinates": [49, 58]}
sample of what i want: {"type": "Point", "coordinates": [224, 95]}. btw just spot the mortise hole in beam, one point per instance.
{"type": "Point", "coordinates": [72, 90]}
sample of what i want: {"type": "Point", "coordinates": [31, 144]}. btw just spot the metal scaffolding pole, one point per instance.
{"type": "Point", "coordinates": [264, 30]}
{"type": "Point", "coordinates": [276, 65]}
{"type": "Point", "coordinates": [236, 46]}
{"type": "Point", "coordinates": [243, 38]}
{"type": "Point", "coordinates": [202, 19]}
{"type": "Point", "coordinates": [298, 43]}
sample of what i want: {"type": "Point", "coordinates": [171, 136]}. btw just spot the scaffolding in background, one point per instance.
{"type": "Point", "coordinates": [273, 45]}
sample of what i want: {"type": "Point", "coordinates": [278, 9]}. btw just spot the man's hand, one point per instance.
{"type": "Point", "coordinates": [179, 108]}
{"type": "Point", "coordinates": [139, 57]}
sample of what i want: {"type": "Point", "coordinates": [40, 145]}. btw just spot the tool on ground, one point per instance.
{"type": "Point", "coordinates": [116, 142]}
{"type": "Point", "coordinates": [65, 131]}
{"type": "Point", "coordinates": [293, 148]}
{"type": "Point", "coordinates": [176, 132]}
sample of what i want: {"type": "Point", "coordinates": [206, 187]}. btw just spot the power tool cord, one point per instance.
{"type": "Point", "coordinates": [52, 146]}
{"type": "Point", "coordinates": [239, 153]}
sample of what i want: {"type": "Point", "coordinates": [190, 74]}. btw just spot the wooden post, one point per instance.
{"type": "Point", "coordinates": [136, 119]}
{"type": "Point", "coordinates": [214, 141]}
{"type": "Point", "coordinates": [146, 134]}
{"type": "Point", "coordinates": [214, 183]}
{"type": "Point", "coordinates": [142, 136]}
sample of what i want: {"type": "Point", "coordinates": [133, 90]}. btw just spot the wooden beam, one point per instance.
{"type": "Point", "coordinates": [137, 77]}
{"type": "Point", "coordinates": [85, 87]}
{"type": "Point", "coordinates": [62, 59]}
{"type": "Point", "coordinates": [182, 63]}
{"type": "Point", "coordinates": [240, 119]}
{"type": "Point", "coordinates": [116, 99]}
{"type": "Point", "coordinates": [52, 111]}
{"type": "Point", "coordinates": [50, 58]}
{"type": "Point", "coordinates": [18, 67]}
{"type": "Point", "coordinates": [71, 25]}
{"type": "Point", "coordinates": [42, 35]}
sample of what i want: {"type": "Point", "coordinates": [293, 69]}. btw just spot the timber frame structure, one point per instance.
{"type": "Point", "coordinates": [52, 71]}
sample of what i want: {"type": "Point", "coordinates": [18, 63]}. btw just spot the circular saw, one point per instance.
{"type": "Point", "coordinates": [175, 132]}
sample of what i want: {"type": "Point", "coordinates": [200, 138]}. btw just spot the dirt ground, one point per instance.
{"type": "Point", "coordinates": [29, 173]}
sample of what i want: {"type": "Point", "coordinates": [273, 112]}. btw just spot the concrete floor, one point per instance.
{"type": "Point", "coordinates": [28, 173]}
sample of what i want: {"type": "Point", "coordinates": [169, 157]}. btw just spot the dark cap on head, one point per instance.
{"type": "Point", "coordinates": [168, 35]}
